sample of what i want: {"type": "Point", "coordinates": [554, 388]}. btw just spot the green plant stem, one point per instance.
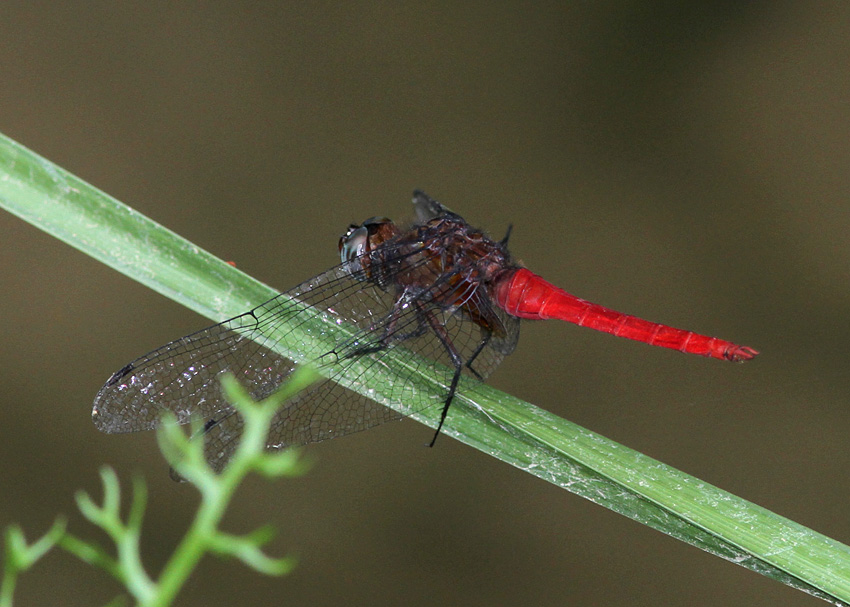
{"type": "Point", "coordinates": [19, 556]}
{"type": "Point", "coordinates": [7, 588]}
{"type": "Point", "coordinates": [217, 490]}
{"type": "Point", "coordinates": [516, 432]}
{"type": "Point", "coordinates": [89, 553]}
{"type": "Point", "coordinates": [192, 547]}
{"type": "Point", "coordinates": [196, 542]}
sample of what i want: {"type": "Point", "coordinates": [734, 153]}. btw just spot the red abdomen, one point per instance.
{"type": "Point", "coordinates": [524, 294]}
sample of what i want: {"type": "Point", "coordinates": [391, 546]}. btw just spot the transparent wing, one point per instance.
{"type": "Point", "coordinates": [183, 376]}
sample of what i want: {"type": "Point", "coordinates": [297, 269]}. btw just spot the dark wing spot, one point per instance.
{"type": "Point", "coordinates": [120, 374]}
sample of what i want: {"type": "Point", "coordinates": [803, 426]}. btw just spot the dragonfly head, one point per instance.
{"type": "Point", "coordinates": [359, 240]}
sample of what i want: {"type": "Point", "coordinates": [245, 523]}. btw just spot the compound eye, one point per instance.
{"type": "Point", "coordinates": [353, 243]}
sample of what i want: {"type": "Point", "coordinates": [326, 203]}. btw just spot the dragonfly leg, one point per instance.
{"type": "Point", "coordinates": [452, 390]}
{"type": "Point", "coordinates": [384, 342]}
{"type": "Point", "coordinates": [485, 339]}
{"type": "Point", "coordinates": [458, 362]}
{"type": "Point", "coordinates": [390, 332]}
{"type": "Point", "coordinates": [456, 359]}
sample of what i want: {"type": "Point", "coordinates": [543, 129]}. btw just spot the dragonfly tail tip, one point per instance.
{"type": "Point", "coordinates": [739, 354]}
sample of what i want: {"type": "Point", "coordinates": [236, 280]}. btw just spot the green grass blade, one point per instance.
{"type": "Point", "coordinates": [73, 211]}
{"type": "Point", "coordinates": [516, 432]}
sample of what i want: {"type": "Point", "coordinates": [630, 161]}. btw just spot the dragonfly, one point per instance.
{"type": "Point", "coordinates": [439, 293]}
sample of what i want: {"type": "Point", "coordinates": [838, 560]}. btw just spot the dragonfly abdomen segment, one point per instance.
{"type": "Point", "coordinates": [524, 294]}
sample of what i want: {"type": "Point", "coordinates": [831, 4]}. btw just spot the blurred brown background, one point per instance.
{"type": "Point", "coordinates": [682, 161]}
